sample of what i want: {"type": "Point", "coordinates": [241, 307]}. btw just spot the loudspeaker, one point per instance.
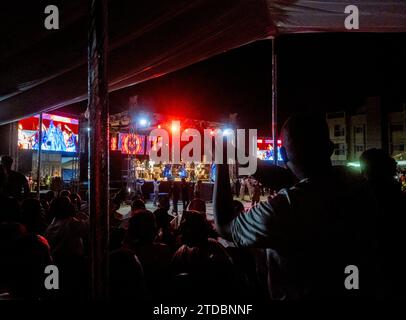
{"type": "Point", "coordinates": [25, 161]}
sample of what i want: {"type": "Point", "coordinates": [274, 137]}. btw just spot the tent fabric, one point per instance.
{"type": "Point", "coordinates": [291, 16]}
{"type": "Point", "coordinates": [41, 70]}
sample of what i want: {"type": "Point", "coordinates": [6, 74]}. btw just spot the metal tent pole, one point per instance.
{"type": "Point", "coordinates": [98, 149]}
{"type": "Point", "coordinates": [39, 156]}
{"type": "Point", "coordinates": [274, 102]}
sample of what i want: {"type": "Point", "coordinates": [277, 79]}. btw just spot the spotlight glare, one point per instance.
{"type": "Point", "coordinates": [143, 122]}
{"type": "Point", "coordinates": [228, 132]}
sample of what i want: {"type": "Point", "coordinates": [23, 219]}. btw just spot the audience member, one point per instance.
{"type": "Point", "coordinates": [32, 216]}
{"type": "Point", "coordinates": [154, 257]}
{"type": "Point", "coordinates": [380, 171]}
{"type": "Point", "coordinates": [16, 183]}
{"type": "Point", "coordinates": [185, 191]}
{"type": "Point", "coordinates": [126, 277]}
{"type": "Point", "coordinates": [67, 236]}
{"type": "Point", "coordinates": [31, 256]}
{"type": "Point", "coordinates": [324, 223]}
{"type": "Point", "coordinates": [205, 263]}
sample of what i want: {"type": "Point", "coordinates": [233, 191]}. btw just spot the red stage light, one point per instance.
{"type": "Point", "coordinates": [174, 128]}
{"type": "Point", "coordinates": [159, 126]}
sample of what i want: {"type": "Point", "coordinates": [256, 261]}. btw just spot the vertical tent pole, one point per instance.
{"type": "Point", "coordinates": [39, 155]}
{"type": "Point", "coordinates": [274, 103]}
{"type": "Point", "coordinates": [98, 149]}
{"type": "Point", "coordinates": [13, 145]}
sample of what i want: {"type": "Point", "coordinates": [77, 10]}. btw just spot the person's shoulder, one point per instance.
{"type": "Point", "coordinates": [17, 174]}
{"type": "Point", "coordinates": [286, 194]}
{"type": "Point", "coordinates": [263, 207]}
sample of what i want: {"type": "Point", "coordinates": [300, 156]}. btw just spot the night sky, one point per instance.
{"type": "Point", "coordinates": [316, 72]}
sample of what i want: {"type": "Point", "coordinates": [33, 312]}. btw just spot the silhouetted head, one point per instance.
{"type": "Point", "coordinates": [64, 193]}
{"type": "Point", "coordinates": [306, 145]}
{"type": "Point", "coordinates": [49, 196]}
{"type": "Point", "coordinates": [32, 255]}
{"type": "Point", "coordinates": [7, 162]}
{"type": "Point", "coordinates": [194, 228]}
{"type": "Point", "coordinates": [197, 205]}
{"type": "Point", "coordinates": [62, 208]}
{"type": "Point", "coordinates": [142, 227]}
{"type": "Point", "coordinates": [163, 202]}
{"type": "Point", "coordinates": [31, 212]}
{"type": "Point", "coordinates": [137, 204]}
{"type": "Point", "coordinates": [376, 164]}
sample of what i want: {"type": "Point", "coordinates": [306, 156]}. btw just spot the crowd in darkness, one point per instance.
{"type": "Point", "coordinates": [294, 245]}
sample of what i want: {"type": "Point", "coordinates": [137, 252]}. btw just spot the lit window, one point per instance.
{"type": "Point", "coordinates": [339, 130]}
{"type": "Point", "coordinates": [339, 149]}
{"type": "Point", "coordinates": [359, 130]}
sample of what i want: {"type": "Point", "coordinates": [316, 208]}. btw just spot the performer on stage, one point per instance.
{"type": "Point", "coordinates": [167, 171]}
{"type": "Point", "coordinates": [138, 187]}
{"type": "Point", "coordinates": [175, 193]}
{"type": "Point", "coordinates": [193, 171]}
{"type": "Point", "coordinates": [185, 190]}
{"type": "Point", "coordinates": [156, 191]}
{"type": "Point", "coordinates": [182, 171]}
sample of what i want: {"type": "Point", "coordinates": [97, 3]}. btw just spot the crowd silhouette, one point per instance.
{"type": "Point", "coordinates": [294, 245]}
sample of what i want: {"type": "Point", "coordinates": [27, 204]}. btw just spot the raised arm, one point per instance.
{"type": "Point", "coordinates": [26, 187]}
{"type": "Point", "coordinates": [223, 201]}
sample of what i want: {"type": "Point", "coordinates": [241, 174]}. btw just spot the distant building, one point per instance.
{"type": "Point", "coordinates": [337, 122]}
{"type": "Point", "coordinates": [366, 128]}
{"type": "Point", "coordinates": [397, 136]}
